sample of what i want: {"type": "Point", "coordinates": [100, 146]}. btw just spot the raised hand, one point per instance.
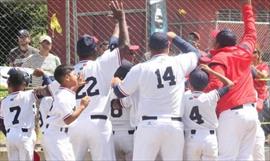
{"type": "Point", "coordinates": [205, 67]}
{"type": "Point", "coordinates": [85, 101]}
{"type": "Point", "coordinates": [117, 8]}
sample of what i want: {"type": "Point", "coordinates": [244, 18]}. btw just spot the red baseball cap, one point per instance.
{"type": "Point", "coordinates": [134, 47]}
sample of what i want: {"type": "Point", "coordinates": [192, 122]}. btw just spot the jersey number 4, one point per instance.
{"type": "Point", "coordinates": [17, 110]}
{"type": "Point", "coordinates": [195, 115]}
{"type": "Point", "coordinates": [167, 76]}
{"type": "Point", "coordinates": [89, 91]}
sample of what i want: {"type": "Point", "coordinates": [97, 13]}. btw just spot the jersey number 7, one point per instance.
{"type": "Point", "coordinates": [18, 111]}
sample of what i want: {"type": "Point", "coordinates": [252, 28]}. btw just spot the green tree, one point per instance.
{"type": "Point", "coordinates": [16, 15]}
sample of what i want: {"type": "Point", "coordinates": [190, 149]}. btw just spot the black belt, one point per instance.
{"type": "Point", "coordinates": [130, 132]}
{"type": "Point", "coordinates": [104, 117]}
{"type": "Point", "coordinates": [194, 131]}
{"type": "Point", "coordinates": [155, 118]}
{"type": "Point", "coordinates": [240, 107]}
{"type": "Point", "coordinates": [62, 129]}
{"type": "Point", "coordinates": [23, 130]}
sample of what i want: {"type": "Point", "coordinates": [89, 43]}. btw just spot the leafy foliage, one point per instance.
{"type": "Point", "coordinates": [16, 15]}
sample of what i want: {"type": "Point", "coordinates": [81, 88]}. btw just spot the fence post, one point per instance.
{"type": "Point", "coordinates": [67, 31]}
{"type": "Point", "coordinates": [75, 28]}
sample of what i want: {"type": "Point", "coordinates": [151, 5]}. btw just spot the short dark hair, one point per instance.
{"type": "Point", "coordinates": [86, 46]}
{"type": "Point", "coordinates": [122, 71]}
{"type": "Point", "coordinates": [198, 79]}
{"type": "Point", "coordinates": [61, 71]}
{"type": "Point", "coordinates": [158, 41]}
{"type": "Point", "coordinates": [17, 78]}
{"type": "Point", "coordinates": [226, 38]}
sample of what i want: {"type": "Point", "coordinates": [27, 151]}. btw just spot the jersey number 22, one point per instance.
{"type": "Point", "coordinates": [89, 91]}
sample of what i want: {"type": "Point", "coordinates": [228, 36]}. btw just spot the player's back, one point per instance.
{"type": "Point", "coordinates": [98, 75]}
{"type": "Point", "coordinates": [161, 82]}
{"type": "Point", "coordinates": [46, 104]}
{"type": "Point", "coordinates": [17, 109]}
{"type": "Point", "coordinates": [200, 110]}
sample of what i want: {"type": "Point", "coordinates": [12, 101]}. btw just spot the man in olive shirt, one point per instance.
{"type": "Point", "coordinates": [19, 54]}
{"type": "Point", "coordinates": [43, 63]}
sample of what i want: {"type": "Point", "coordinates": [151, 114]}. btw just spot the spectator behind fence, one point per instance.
{"type": "Point", "coordinates": [260, 72]}
{"type": "Point", "coordinates": [44, 63]}
{"type": "Point", "coordinates": [18, 55]}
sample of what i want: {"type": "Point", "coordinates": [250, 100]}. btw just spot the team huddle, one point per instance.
{"type": "Point", "coordinates": [116, 110]}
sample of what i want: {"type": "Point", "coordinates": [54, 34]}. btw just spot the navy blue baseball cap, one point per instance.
{"type": "Point", "coordinates": [226, 38]}
{"type": "Point", "coordinates": [158, 41]}
{"type": "Point", "coordinates": [122, 71]}
{"type": "Point", "coordinates": [86, 45]}
{"type": "Point", "coordinates": [198, 79]}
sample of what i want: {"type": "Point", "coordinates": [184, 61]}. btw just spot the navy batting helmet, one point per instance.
{"type": "Point", "coordinates": [86, 46]}
{"type": "Point", "coordinates": [18, 77]}
{"type": "Point", "coordinates": [198, 79]}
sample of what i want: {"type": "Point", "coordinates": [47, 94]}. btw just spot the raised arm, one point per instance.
{"type": "Point", "coordinates": [183, 45]}
{"type": "Point", "coordinates": [250, 36]}
{"type": "Point", "coordinates": [119, 14]}
{"type": "Point", "coordinates": [114, 39]}
{"type": "Point", "coordinates": [221, 77]}
{"type": "Point", "coordinates": [79, 109]}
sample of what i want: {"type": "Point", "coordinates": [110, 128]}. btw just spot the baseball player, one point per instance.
{"type": "Point", "coordinates": [121, 121]}
{"type": "Point", "coordinates": [200, 118]}
{"type": "Point", "coordinates": [63, 112]}
{"type": "Point", "coordinates": [236, 110]}
{"type": "Point", "coordinates": [98, 71]}
{"type": "Point", "coordinates": [18, 113]}
{"type": "Point", "coordinates": [159, 81]}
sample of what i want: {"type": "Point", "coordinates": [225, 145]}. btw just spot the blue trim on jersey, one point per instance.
{"type": "Point", "coordinates": [117, 91]}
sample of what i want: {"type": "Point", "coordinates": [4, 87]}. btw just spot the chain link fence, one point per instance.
{"type": "Point", "coordinates": [66, 20]}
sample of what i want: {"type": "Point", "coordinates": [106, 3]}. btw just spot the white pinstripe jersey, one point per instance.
{"type": "Point", "coordinates": [18, 111]}
{"type": "Point", "coordinates": [160, 84]}
{"type": "Point", "coordinates": [200, 110]}
{"type": "Point", "coordinates": [98, 74]}
{"type": "Point", "coordinates": [63, 105]}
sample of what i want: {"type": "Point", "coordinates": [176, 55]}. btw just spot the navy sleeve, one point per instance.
{"type": "Point", "coordinates": [253, 72]}
{"type": "Point", "coordinates": [118, 92]}
{"type": "Point", "coordinates": [46, 80]}
{"type": "Point", "coordinates": [222, 91]}
{"type": "Point", "coordinates": [185, 46]}
{"type": "Point", "coordinates": [113, 42]}
{"type": "Point", "coordinates": [2, 127]}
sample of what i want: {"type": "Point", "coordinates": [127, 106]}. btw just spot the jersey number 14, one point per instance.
{"type": "Point", "coordinates": [167, 76]}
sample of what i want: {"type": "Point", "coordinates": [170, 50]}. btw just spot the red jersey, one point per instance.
{"type": "Point", "coordinates": [235, 63]}
{"type": "Point", "coordinates": [260, 85]}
